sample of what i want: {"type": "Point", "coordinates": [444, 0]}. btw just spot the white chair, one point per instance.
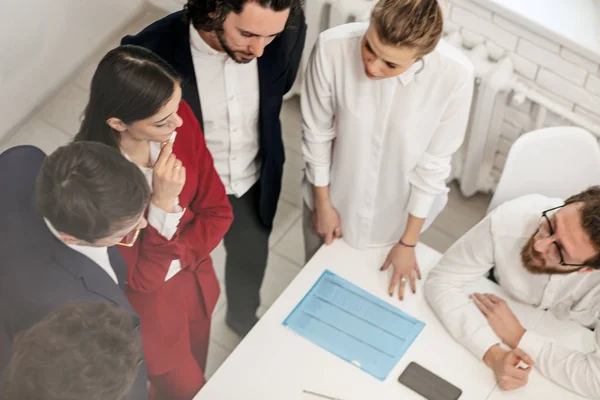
{"type": "Point", "coordinates": [555, 162]}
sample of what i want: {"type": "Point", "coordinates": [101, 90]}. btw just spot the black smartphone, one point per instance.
{"type": "Point", "coordinates": [428, 384]}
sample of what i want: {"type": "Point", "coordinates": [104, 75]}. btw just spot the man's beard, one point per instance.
{"type": "Point", "coordinates": [232, 54]}
{"type": "Point", "coordinates": [533, 261]}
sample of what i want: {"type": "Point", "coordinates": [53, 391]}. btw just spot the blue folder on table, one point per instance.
{"type": "Point", "coordinates": [354, 325]}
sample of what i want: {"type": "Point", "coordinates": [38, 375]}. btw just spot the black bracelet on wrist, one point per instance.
{"type": "Point", "coordinates": [407, 245]}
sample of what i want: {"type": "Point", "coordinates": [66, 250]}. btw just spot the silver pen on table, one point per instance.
{"type": "Point", "coordinates": [321, 395]}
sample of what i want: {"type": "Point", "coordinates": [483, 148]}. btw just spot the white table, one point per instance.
{"type": "Point", "coordinates": [273, 362]}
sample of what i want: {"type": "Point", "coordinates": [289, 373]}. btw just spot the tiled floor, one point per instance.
{"type": "Point", "coordinates": [57, 121]}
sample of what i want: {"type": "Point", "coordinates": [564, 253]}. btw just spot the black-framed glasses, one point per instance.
{"type": "Point", "coordinates": [546, 230]}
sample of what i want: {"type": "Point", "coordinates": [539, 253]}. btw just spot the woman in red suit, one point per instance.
{"type": "Point", "coordinates": [135, 105]}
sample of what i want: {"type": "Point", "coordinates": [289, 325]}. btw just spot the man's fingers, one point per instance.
{"type": "Point", "coordinates": [337, 232]}
{"type": "Point", "coordinates": [485, 301]}
{"type": "Point", "coordinates": [510, 383]}
{"type": "Point", "coordinates": [494, 298]}
{"type": "Point", "coordinates": [523, 356]}
{"type": "Point", "coordinates": [518, 373]}
{"type": "Point", "coordinates": [479, 304]}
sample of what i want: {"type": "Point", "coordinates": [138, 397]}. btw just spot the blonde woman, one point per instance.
{"type": "Point", "coordinates": [384, 107]}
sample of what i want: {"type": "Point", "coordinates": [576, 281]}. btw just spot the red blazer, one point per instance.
{"type": "Point", "coordinates": [207, 218]}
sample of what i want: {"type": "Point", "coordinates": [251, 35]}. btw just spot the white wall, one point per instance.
{"type": "Point", "coordinates": [169, 5]}
{"type": "Point", "coordinates": [42, 42]}
{"type": "Point", "coordinates": [573, 23]}
{"type": "Point", "coordinates": [566, 74]}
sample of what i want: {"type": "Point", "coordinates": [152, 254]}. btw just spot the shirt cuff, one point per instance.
{"type": "Point", "coordinates": [532, 344]}
{"type": "Point", "coordinates": [317, 175]}
{"type": "Point", "coordinates": [419, 202]}
{"type": "Point", "coordinates": [165, 223]}
{"type": "Point", "coordinates": [482, 340]}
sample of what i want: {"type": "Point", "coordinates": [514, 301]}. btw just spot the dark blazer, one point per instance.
{"type": "Point", "coordinates": [277, 69]}
{"type": "Point", "coordinates": [38, 272]}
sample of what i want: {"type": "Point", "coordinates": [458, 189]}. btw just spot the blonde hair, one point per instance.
{"type": "Point", "coordinates": [416, 24]}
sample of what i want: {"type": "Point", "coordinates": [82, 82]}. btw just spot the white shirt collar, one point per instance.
{"type": "Point", "coordinates": [54, 231]}
{"type": "Point", "coordinates": [88, 251]}
{"type": "Point", "coordinates": [155, 148]}
{"type": "Point", "coordinates": [409, 75]}
{"type": "Point", "coordinates": [98, 255]}
{"type": "Point", "coordinates": [200, 47]}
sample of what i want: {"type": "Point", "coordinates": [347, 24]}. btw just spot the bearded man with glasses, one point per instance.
{"type": "Point", "coordinates": [544, 252]}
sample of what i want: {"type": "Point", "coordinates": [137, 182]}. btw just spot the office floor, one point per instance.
{"type": "Point", "coordinates": [57, 121]}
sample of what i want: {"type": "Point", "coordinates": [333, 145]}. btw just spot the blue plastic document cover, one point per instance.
{"type": "Point", "coordinates": [354, 325]}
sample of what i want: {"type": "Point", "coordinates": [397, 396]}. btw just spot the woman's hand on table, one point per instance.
{"type": "Point", "coordinates": [403, 260]}
{"type": "Point", "coordinates": [326, 223]}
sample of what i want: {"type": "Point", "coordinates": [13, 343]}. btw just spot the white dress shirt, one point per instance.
{"type": "Point", "coordinates": [99, 255]}
{"type": "Point", "coordinates": [384, 146]}
{"type": "Point", "coordinates": [229, 94]}
{"type": "Point", "coordinates": [497, 242]}
{"type": "Point", "coordinates": [165, 223]}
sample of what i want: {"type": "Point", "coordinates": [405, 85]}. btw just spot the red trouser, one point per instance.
{"type": "Point", "coordinates": [186, 376]}
{"type": "Point", "coordinates": [184, 382]}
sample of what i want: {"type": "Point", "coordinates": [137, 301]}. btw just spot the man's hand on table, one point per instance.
{"type": "Point", "coordinates": [404, 261]}
{"type": "Point", "coordinates": [500, 317]}
{"type": "Point", "coordinates": [505, 365]}
{"type": "Point", "coordinates": [505, 324]}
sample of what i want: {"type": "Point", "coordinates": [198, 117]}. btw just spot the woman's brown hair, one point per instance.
{"type": "Point", "coordinates": [416, 24]}
{"type": "Point", "coordinates": [131, 83]}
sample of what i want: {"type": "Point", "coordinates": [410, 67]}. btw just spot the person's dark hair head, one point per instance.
{"type": "Point", "coordinates": [209, 15]}
{"type": "Point", "coordinates": [590, 218]}
{"type": "Point", "coordinates": [90, 191]}
{"type": "Point", "coordinates": [131, 83]}
{"type": "Point", "coordinates": [79, 351]}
